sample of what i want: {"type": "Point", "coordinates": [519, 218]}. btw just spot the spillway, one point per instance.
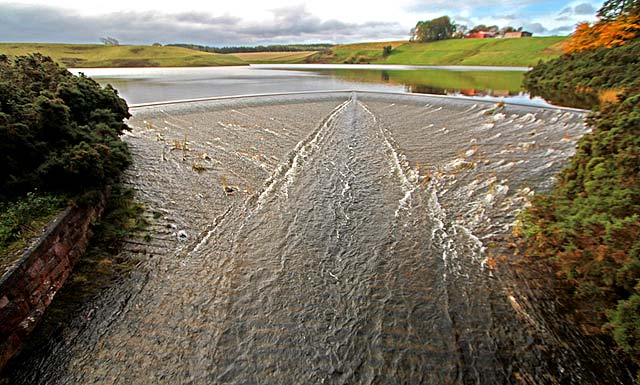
{"type": "Point", "coordinates": [337, 238]}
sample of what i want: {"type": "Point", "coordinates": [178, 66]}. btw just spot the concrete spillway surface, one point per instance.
{"type": "Point", "coordinates": [330, 238]}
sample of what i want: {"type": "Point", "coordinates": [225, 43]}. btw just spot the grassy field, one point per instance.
{"type": "Point", "coordinates": [481, 52]}
{"type": "Point", "coordinates": [356, 53]}
{"type": "Point", "coordinates": [95, 55]}
{"type": "Point", "coordinates": [275, 57]}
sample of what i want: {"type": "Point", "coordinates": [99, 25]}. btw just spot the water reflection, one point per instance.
{"type": "Point", "coordinates": [440, 82]}
{"type": "Point", "coordinates": [143, 85]}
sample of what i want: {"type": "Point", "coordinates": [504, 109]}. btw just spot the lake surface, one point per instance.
{"type": "Point", "coordinates": [145, 85]}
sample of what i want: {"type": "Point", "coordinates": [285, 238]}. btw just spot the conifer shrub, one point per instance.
{"type": "Point", "coordinates": [59, 132]}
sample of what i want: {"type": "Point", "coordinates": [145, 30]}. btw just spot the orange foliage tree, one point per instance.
{"type": "Point", "coordinates": [603, 34]}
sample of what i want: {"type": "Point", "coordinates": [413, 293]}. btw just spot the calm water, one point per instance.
{"type": "Point", "coordinates": [144, 85]}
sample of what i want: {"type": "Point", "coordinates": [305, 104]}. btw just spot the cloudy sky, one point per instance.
{"type": "Point", "coordinates": [250, 22]}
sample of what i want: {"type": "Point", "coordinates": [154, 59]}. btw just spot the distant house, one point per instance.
{"type": "Point", "coordinates": [512, 35]}
{"type": "Point", "coordinates": [480, 35]}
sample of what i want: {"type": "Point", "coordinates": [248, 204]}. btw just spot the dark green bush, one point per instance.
{"type": "Point", "coordinates": [576, 79]}
{"type": "Point", "coordinates": [588, 227]}
{"type": "Point", "coordinates": [58, 132]}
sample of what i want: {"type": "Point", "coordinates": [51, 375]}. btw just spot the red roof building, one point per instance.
{"type": "Point", "coordinates": [480, 35]}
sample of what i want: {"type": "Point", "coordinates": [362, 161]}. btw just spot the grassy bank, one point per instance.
{"type": "Point", "coordinates": [95, 55]}
{"type": "Point", "coordinates": [274, 57]}
{"type": "Point", "coordinates": [481, 52]}
{"type": "Point", "coordinates": [23, 220]}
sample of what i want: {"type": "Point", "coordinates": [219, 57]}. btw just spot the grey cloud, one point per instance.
{"type": "Point", "coordinates": [294, 24]}
{"type": "Point", "coordinates": [584, 9]}
{"type": "Point", "coordinates": [562, 30]}
{"type": "Point", "coordinates": [511, 17]}
{"type": "Point", "coordinates": [440, 5]}
{"type": "Point", "coordinates": [535, 28]}
{"type": "Point", "coordinates": [566, 11]}
{"type": "Point", "coordinates": [428, 6]}
{"type": "Point", "coordinates": [205, 18]}
{"type": "Point", "coordinates": [462, 20]}
{"type": "Point", "coordinates": [580, 9]}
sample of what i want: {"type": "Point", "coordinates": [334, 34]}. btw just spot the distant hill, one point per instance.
{"type": "Point", "coordinates": [95, 55]}
{"type": "Point", "coordinates": [293, 57]}
{"type": "Point", "coordinates": [257, 48]}
{"type": "Point", "coordinates": [482, 52]}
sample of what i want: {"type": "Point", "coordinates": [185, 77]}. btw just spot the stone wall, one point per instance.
{"type": "Point", "coordinates": [28, 288]}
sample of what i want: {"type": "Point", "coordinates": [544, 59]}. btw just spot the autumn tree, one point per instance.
{"type": "Point", "coordinates": [603, 34]}
{"type": "Point", "coordinates": [619, 22]}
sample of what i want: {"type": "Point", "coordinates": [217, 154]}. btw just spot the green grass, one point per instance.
{"type": "Point", "coordinates": [95, 55]}
{"type": "Point", "coordinates": [275, 57]}
{"type": "Point", "coordinates": [481, 52]}
{"type": "Point", "coordinates": [23, 220]}
{"type": "Point", "coordinates": [102, 265]}
{"type": "Point", "coordinates": [478, 52]}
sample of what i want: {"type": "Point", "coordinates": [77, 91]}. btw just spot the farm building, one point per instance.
{"type": "Point", "coordinates": [480, 35]}
{"type": "Point", "coordinates": [512, 35]}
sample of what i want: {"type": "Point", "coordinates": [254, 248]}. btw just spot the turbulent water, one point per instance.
{"type": "Point", "coordinates": [335, 238]}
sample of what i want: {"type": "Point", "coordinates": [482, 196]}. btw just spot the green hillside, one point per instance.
{"type": "Point", "coordinates": [293, 57]}
{"type": "Point", "coordinates": [481, 52]}
{"type": "Point", "coordinates": [95, 55]}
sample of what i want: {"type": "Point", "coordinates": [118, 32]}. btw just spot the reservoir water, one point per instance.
{"type": "Point", "coordinates": [143, 85]}
{"type": "Point", "coordinates": [332, 238]}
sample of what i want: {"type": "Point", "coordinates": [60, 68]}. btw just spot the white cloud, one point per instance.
{"type": "Point", "coordinates": [263, 22]}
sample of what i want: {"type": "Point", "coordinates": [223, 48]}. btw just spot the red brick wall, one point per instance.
{"type": "Point", "coordinates": [28, 288]}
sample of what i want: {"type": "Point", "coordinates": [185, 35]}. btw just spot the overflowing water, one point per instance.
{"type": "Point", "coordinates": [339, 238]}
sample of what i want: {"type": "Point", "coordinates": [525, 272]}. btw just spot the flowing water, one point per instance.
{"type": "Point", "coordinates": [339, 238]}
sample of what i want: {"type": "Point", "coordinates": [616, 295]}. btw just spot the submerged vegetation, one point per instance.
{"type": "Point", "coordinates": [588, 227]}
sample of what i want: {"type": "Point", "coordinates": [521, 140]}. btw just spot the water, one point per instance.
{"type": "Point", "coordinates": [143, 85]}
{"type": "Point", "coordinates": [357, 246]}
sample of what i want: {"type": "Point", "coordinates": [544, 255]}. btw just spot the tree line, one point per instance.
{"type": "Point", "coordinates": [442, 28]}
{"type": "Point", "coordinates": [258, 48]}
